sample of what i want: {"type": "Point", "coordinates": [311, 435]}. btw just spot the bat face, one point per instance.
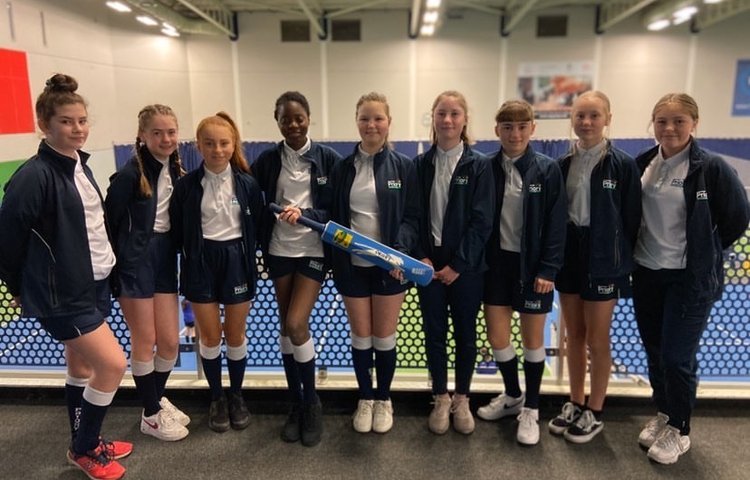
{"type": "Point", "coordinates": [365, 251]}
{"type": "Point", "coordinates": [342, 238]}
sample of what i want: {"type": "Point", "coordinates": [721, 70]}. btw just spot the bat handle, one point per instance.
{"type": "Point", "coordinates": [317, 226]}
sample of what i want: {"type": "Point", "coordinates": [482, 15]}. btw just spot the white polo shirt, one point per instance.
{"type": "Point", "coordinates": [220, 210]}
{"type": "Point", "coordinates": [511, 215]}
{"type": "Point", "coordinates": [363, 202]}
{"type": "Point", "coordinates": [163, 194]}
{"type": "Point", "coordinates": [445, 164]}
{"type": "Point", "coordinates": [578, 183]}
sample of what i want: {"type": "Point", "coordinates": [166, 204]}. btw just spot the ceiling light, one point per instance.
{"type": "Point", "coordinates": [431, 16]}
{"type": "Point", "coordinates": [658, 25]}
{"type": "Point", "coordinates": [427, 30]}
{"type": "Point", "coordinates": [688, 12]}
{"type": "Point", "coordinates": [119, 6]}
{"type": "Point", "coordinates": [712, 1]}
{"type": "Point", "coordinates": [146, 20]}
{"type": "Point", "coordinates": [433, 3]}
{"type": "Point", "coordinates": [171, 32]}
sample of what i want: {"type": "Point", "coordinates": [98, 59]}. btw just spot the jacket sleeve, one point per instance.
{"type": "Point", "coordinates": [119, 194]}
{"type": "Point", "coordinates": [176, 206]}
{"type": "Point", "coordinates": [255, 200]}
{"type": "Point", "coordinates": [729, 203]}
{"type": "Point", "coordinates": [21, 208]}
{"type": "Point", "coordinates": [321, 211]}
{"type": "Point", "coordinates": [553, 248]}
{"type": "Point", "coordinates": [630, 201]}
{"type": "Point", "coordinates": [470, 253]}
{"type": "Point", "coordinates": [407, 236]}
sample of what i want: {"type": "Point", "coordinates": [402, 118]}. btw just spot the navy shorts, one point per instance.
{"type": "Point", "coordinates": [503, 287]}
{"type": "Point", "coordinates": [310, 267]}
{"type": "Point", "coordinates": [68, 327]}
{"type": "Point", "coordinates": [574, 276]}
{"type": "Point", "coordinates": [227, 281]}
{"type": "Point", "coordinates": [367, 281]}
{"type": "Point", "coordinates": [157, 273]}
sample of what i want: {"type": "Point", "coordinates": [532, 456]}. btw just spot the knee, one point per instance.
{"type": "Point", "coordinates": [115, 366]}
{"type": "Point", "coordinates": [599, 350]}
{"type": "Point", "coordinates": [297, 332]}
{"type": "Point", "coordinates": [167, 348]}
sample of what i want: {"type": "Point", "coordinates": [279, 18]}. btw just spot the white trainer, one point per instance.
{"type": "Point", "coordinates": [528, 426]}
{"type": "Point", "coordinates": [362, 419]}
{"type": "Point", "coordinates": [668, 446]}
{"type": "Point", "coordinates": [652, 429]}
{"type": "Point", "coordinates": [163, 426]}
{"type": "Point", "coordinates": [501, 406]}
{"type": "Point", "coordinates": [181, 417]}
{"type": "Point", "coordinates": [382, 416]}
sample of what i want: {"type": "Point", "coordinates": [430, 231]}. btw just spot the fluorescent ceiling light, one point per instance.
{"type": "Point", "coordinates": [431, 16]}
{"type": "Point", "coordinates": [171, 32]}
{"type": "Point", "coordinates": [658, 25]}
{"type": "Point", "coordinates": [427, 30]}
{"type": "Point", "coordinates": [712, 1]}
{"type": "Point", "coordinates": [688, 12]}
{"type": "Point", "coordinates": [146, 20]}
{"type": "Point", "coordinates": [433, 3]}
{"type": "Point", "coordinates": [119, 6]}
{"type": "Point", "coordinates": [167, 26]}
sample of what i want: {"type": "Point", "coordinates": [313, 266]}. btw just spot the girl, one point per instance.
{"type": "Point", "coordinates": [214, 211]}
{"type": "Point", "coordinates": [375, 193]}
{"type": "Point", "coordinates": [694, 206]}
{"type": "Point", "coordinates": [55, 259]}
{"type": "Point", "coordinates": [295, 175]}
{"type": "Point", "coordinates": [137, 208]}
{"type": "Point", "coordinates": [525, 252]}
{"type": "Point", "coordinates": [456, 191]}
{"type": "Point", "coordinates": [604, 214]}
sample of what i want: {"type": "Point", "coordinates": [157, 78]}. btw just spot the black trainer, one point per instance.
{"type": "Point", "coordinates": [291, 431]}
{"type": "Point", "coordinates": [218, 416]}
{"type": "Point", "coordinates": [239, 416]}
{"type": "Point", "coordinates": [312, 423]}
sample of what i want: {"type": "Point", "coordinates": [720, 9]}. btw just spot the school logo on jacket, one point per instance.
{"type": "Point", "coordinates": [535, 188]}
{"type": "Point", "coordinates": [322, 180]}
{"type": "Point", "coordinates": [462, 180]}
{"type": "Point", "coordinates": [394, 184]}
{"type": "Point", "coordinates": [701, 195]}
{"type": "Point", "coordinates": [609, 184]}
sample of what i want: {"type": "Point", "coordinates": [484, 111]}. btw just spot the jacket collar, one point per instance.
{"type": "Point", "coordinates": [65, 163]}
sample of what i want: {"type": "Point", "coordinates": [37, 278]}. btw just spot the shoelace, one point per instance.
{"type": "Point", "coordinates": [98, 456]}
{"type": "Point", "coordinates": [569, 412]}
{"type": "Point", "coordinates": [526, 418]}
{"type": "Point", "coordinates": [668, 440]}
{"type": "Point", "coordinates": [586, 421]}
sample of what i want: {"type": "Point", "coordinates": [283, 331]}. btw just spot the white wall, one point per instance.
{"type": "Point", "coordinates": [121, 67]}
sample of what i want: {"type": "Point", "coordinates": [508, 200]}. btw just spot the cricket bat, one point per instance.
{"type": "Point", "coordinates": [368, 249]}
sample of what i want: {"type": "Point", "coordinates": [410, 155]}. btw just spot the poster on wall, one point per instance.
{"type": "Point", "coordinates": [16, 114]}
{"type": "Point", "coordinates": [741, 104]}
{"type": "Point", "coordinates": [551, 87]}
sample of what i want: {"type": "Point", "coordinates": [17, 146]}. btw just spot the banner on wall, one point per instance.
{"type": "Point", "coordinates": [741, 104]}
{"type": "Point", "coordinates": [16, 114]}
{"type": "Point", "coordinates": [551, 87]}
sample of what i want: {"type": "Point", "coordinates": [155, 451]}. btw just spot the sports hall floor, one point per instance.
{"type": "Point", "coordinates": [34, 432]}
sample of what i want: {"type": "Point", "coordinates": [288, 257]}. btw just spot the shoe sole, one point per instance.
{"type": "Point", "coordinates": [527, 444]}
{"type": "Point", "coordinates": [492, 418]}
{"type": "Point", "coordinates": [219, 427]}
{"type": "Point", "coordinates": [582, 438]}
{"type": "Point", "coordinates": [152, 433]}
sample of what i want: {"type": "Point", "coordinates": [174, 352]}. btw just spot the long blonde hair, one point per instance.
{"type": "Point", "coordinates": [145, 116]}
{"type": "Point", "coordinates": [464, 105]}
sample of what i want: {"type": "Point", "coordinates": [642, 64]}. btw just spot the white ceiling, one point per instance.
{"type": "Point", "coordinates": [217, 16]}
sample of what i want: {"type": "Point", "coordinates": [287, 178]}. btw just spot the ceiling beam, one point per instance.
{"type": "Point", "coordinates": [515, 14]}
{"type": "Point", "coordinates": [217, 15]}
{"type": "Point", "coordinates": [609, 14]}
{"type": "Point", "coordinates": [717, 12]}
{"type": "Point", "coordinates": [178, 21]}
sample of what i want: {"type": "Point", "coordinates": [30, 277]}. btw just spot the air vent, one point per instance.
{"type": "Point", "coordinates": [295, 31]}
{"type": "Point", "coordinates": [552, 26]}
{"type": "Point", "coordinates": [345, 31]}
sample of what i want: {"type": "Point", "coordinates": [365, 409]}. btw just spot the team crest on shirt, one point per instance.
{"type": "Point", "coordinates": [462, 180]}
{"type": "Point", "coordinates": [533, 304]}
{"type": "Point", "coordinates": [322, 180]}
{"type": "Point", "coordinates": [701, 195]}
{"type": "Point", "coordinates": [677, 182]}
{"type": "Point", "coordinates": [535, 188]}
{"type": "Point", "coordinates": [605, 289]}
{"type": "Point", "coordinates": [609, 184]}
{"type": "Point", "coordinates": [240, 289]}
{"type": "Point", "coordinates": [394, 184]}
